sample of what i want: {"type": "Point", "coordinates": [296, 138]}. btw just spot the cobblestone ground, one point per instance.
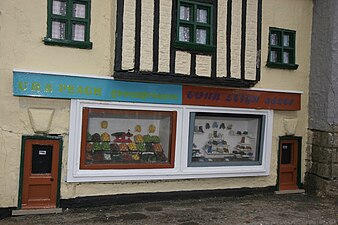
{"type": "Point", "coordinates": [269, 209]}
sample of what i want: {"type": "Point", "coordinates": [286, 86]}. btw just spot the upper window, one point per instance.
{"type": "Point", "coordinates": [68, 23]}
{"type": "Point", "coordinates": [194, 26]}
{"type": "Point", "coordinates": [282, 47]}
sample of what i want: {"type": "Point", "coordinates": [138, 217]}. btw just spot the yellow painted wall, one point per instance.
{"type": "Point", "coordinates": [23, 25]}
{"type": "Point", "coordinates": [293, 15]}
{"type": "Point", "coordinates": [22, 29]}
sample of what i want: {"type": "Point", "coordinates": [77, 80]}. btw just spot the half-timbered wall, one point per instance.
{"type": "Point", "coordinates": [145, 36]}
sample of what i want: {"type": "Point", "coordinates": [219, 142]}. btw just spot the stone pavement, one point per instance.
{"type": "Point", "coordinates": [250, 209]}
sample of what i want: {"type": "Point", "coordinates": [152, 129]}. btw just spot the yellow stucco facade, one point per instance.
{"type": "Point", "coordinates": [22, 29]}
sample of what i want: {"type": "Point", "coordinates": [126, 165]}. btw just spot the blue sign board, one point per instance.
{"type": "Point", "coordinates": [77, 87]}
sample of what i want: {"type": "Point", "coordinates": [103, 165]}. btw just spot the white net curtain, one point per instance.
{"type": "Point", "coordinates": [59, 28]}
{"type": "Point", "coordinates": [185, 31]}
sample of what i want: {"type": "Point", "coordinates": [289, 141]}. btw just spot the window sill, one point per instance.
{"type": "Point", "coordinates": [192, 47]}
{"type": "Point", "coordinates": [282, 66]}
{"type": "Point", "coordinates": [68, 43]}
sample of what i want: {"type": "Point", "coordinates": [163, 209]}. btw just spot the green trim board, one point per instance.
{"type": "Point", "coordinates": [282, 66]}
{"type": "Point", "coordinates": [192, 47]}
{"type": "Point", "coordinates": [58, 194]}
{"type": "Point", "coordinates": [68, 24]}
{"type": "Point", "coordinates": [24, 138]}
{"type": "Point", "coordinates": [67, 43]}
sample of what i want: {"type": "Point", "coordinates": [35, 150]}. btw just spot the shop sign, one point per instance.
{"type": "Point", "coordinates": [240, 98]}
{"type": "Point", "coordinates": [76, 87]}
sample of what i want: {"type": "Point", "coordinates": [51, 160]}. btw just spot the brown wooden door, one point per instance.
{"type": "Point", "coordinates": [40, 177]}
{"type": "Point", "coordinates": [288, 167]}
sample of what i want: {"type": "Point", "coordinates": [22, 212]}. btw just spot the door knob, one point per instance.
{"type": "Point", "coordinates": [51, 179]}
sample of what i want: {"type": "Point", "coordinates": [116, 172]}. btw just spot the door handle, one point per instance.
{"type": "Point", "coordinates": [51, 179]}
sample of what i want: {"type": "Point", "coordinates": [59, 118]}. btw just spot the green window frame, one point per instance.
{"type": "Point", "coordinates": [282, 49]}
{"type": "Point", "coordinates": [194, 26]}
{"type": "Point", "coordinates": [68, 23]}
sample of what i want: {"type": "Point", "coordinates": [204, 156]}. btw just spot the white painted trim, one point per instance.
{"type": "Point", "coordinates": [180, 170]}
{"type": "Point", "coordinates": [64, 74]}
{"type": "Point", "coordinates": [274, 90]}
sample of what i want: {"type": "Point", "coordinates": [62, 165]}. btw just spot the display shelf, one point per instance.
{"type": "Point", "coordinates": [241, 135]}
{"type": "Point", "coordinates": [127, 137]}
{"type": "Point", "coordinates": [225, 137]}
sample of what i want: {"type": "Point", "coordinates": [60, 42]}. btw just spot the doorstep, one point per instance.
{"type": "Point", "coordinates": [22, 212]}
{"type": "Point", "coordinates": [298, 191]}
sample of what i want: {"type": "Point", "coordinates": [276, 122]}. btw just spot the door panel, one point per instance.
{"type": "Point", "coordinates": [40, 178]}
{"type": "Point", "coordinates": [288, 168]}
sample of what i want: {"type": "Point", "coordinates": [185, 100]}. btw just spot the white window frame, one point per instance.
{"type": "Point", "coordinates": [181, 169]}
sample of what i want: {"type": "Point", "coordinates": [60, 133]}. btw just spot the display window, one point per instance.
{"type": "Point", "coordinates": [221, 139]}
{"type": "Point", "coordinates": [118, 141]}
{"type": "Point", "coordinates": [127, 139]}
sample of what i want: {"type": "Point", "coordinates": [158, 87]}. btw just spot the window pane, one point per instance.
{"type": "Point", "coordinates": [42, 159]}
{"type": "Point", "coordinates": [59, 7]}
{"type": "Point", "coordinates": [274, 56]}
{"type": "Point", "coordinates": [78, 32]}
{"type": "Point", "coordinates": [79, 10]}
{"type": "Point", "coordinates": [202, 16]}
{"type": "Point", "coordinates": [184, 34]}
{"type": "Point", "coordinates": [201, 36]}
{"type": "Point", "coordinates": [125, 137]}
{"type": "Point", "coordinates": [286, 58]}
{"type": "Point", "coordinates": [286, 153]}
{"type": "Point", "coordinates": [224, 139]}
{"type": "Point", "coordinates": [286, 40]}
{"type": "Point", "coordinates": [184, 13]}
{"type": "Point", "coordinates": [58, 30]}
{"type": "Point", "coordinates": [274, 39]}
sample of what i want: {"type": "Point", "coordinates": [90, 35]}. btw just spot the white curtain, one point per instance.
{"type": "Point", "coordinates": [79, 10]}
{"type": "Point", "coordinates": [58, 30]}
{"type": "Point", "coordinates": [201, 36]}
{"type": "Point", "coordinates": [184, 34]}
{"type": "Point", "coordinates": [273, 56]}
{"type": "Point", "coordinates": [78, 32]}
{"type": "Point", "coordinates": [286, 40]}
{"type": "Point", "coordinates": [59, 8]}
{"type": "Point", "coordinates": [184, 13]}
{"type": "Point", "coordinates": [286, 57]}
{"type": "Point", "coordinates": [202, 16]}
{"type": "Point", "coordinates": [274, 39]}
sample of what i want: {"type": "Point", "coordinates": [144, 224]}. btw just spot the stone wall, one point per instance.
{"type": "Point", "coordinates": [322, 175]}
{"type": "Point", "coordinates": [322, 168]}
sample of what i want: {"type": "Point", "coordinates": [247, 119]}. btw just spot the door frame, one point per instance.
{"type": "Point", "coordinates": [299, 159]}
{"type": "Point", "coordinates": [22, 160]}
